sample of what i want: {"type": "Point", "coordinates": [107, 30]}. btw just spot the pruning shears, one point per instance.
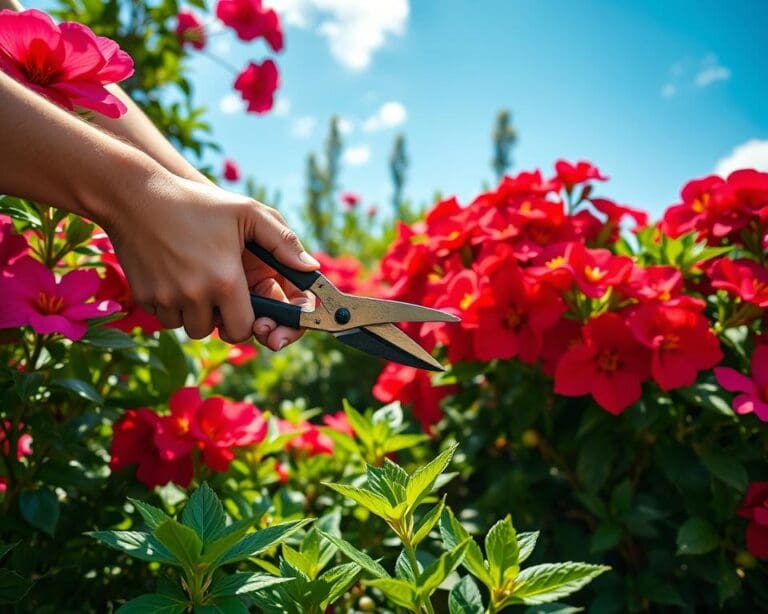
{"type": "Point", "coordinates": [361, 322]}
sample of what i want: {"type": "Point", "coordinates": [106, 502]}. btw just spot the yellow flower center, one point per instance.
{"type": "Point", "coordinates": [594, 273]}
{"type": "Point", "coordinates": [555, 262]}
{"type": "Point", "coordinates": [466, 301]}
{"type": "Point", "coordinates": [608, 361]}
{"type": "Point", "coordinates": [48, 304]}
{"type": "Point", "coordinates": [700, 203]}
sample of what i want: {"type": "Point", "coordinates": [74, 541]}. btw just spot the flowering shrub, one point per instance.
{"type": "Point", "coordinates": [589, 391]}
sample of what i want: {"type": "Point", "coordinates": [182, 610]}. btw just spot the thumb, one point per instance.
{"type": "Point", "coordinates": [266, 227]}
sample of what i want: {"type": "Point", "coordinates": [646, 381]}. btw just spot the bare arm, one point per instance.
{"type": "Point", "coordinates": [136, 128]}
{"type": "Point", "coordinates": [180, 241]}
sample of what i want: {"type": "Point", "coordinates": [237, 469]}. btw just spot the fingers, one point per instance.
{"type": "Point", "coordinates": [234, 304]}
{"type": "Point", "coordinates": [284, 335]}
{"type": "Point", "coordinates": [169, 317]}
{"type": "Point", "coordinates": [198, 320]}
{"type": "Point", "coordinates": [264, 327]}
{"type": "Point", "coordinates": [271, 232]}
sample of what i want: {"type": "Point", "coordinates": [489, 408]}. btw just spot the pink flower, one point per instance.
{"type": "Point", "coordinates": [754, 391]}
{"type": "Point", "coordinates": [67, 63]}
{"type": "Point", "coordinates": [350, 200]}
{"type": "Point", "coordinates": [339, 422]}
{"type": "Point", "coordinates": [23, 442]}
{"type": "Point", "coordinates": [754, 507]}
{"type": "Point", "coordinates": [231, 170]}
{"type": "Point", "coordinates": [33, 297]}
{"type": "Point", "coordinates": [190, 30]}
{"type": "Point", "coordinates": [12, 245]}
{"type": "Point", "coordinates": [257, 84]}
{"type": "Point", "coordinates": [250, 20]}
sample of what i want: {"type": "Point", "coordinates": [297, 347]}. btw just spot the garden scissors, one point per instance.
{"type": "Point", "coordinates": [360, 322]}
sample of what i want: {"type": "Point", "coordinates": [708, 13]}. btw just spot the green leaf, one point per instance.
{"type": "Point", "coordinates": [709, 396]}
{"type": "Point", "coordinates": [403, 442]}
{"type": "Point", "coordinates": [174, 362]}
{"type": "Point", "coordinates": [502, 551]}
{"type": "Point", "coordinates": [139, 545]}
{"type": "Point", "coordinates": [40, 508]}
{"type": "Point", "coordinates": [108, 339]}
{"type": "Point", "coordinates": [204, 513]}
{"type": "Point", "coordinates": [371, 501]}
{"type": "Point", "coordinates": [257, 542]}
{"type": "Point", "coordinates": [338, 579]}
{"type": "Point", "coordinates": [605, 537]}
{"type": "Point", "coordinates": [242, 583]}
{"type": "Point", "coordinates": [13, 586]}
{"type": "Point", "coordinates": [299, 561]}
{"type": "Point", "coordinates": [222, 605]}
{"type": "Point", "coordinates": [465, 598]}
{"type": "Point", "coordinates": [181, 541]}
{"type": "Point", "coordinates": [453, 533]}
{"type": "Point", "coordinates": [153, 516]}
{"type": "Point", "coordinates": [434, 575]}
{"type": "Point", "coordinates": [400, 592]}
{"type": "Point", "coordinates": [79, 387]}
{"type": "Point", "coordinates": [422, 480]}
{"type": "Point", "coordinates": [155, 603]}
{"type": "Point", "coordinates": [388, 481]}
{"type": "Point", "coordinates": [696, 536]}
{"type": "Point", "coordinates": [230, 535]}
{"type": "Point", "coordinates": [552, 581]}
{"type": "Point", "coordinates": [428, 522]}
{"type": "Point", "coordinates": [357, 556]}
{"type": "Point", "coordinates": [404, 570]}
{"type": "Point", "coordinates": [78, 230]}
{"type": "Point", "coordinates": [727, 469]}
{"type": "Point", "coordinates": [526, 542]}
{"type": "Point", "coordinates": [361, 425]}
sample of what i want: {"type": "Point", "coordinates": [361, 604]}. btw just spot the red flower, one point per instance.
{"type": "Point", "coordinates": [344, 271]}
{"type": "Point", "coordinates": [257, 84]}
{"type": "Point", "coordinates": [609, 364]}
{"type": "Point", "coordinates": [615, 213]}
{"type": "Point", "coordinates": [743, 278]}
{"type": "Point", "coordinates": [241, 353]}
{"type": "Point", "coordinates": [215, 425]}
{"type": "Point", "coordinates": [411, 385]}
{"type": "Point", "coordinates": [350, 200]}
{"type": "Point", "coordinates": [190, 30]}
{"type": "Point", "coordinates": [679, 338]}
{"type": "Point", "coordinates": [513, 313]}
{"type": "Point", "coordinates": [310, 440]}
{"type": "Point", "coordinates": [133, 443]}
{"type": "Point", "coordinates": [654, 283]}
{"type": "Point", "coordinates": [570, 175]}
{"type": "Point", "coordinates": [593, 270]}
{"type": "Point", "coordinates": [754, 390]}
{"type": "Point", "coordinates": [23, 442]}
{"type": "Point", "coordinates": [755, 508]}
{"type": "Point", "coordinates": [67, 63]}
{"type": "Point", "coordinates": [250, 20]}
{"type": "Point", "coordinates": [231, 170]}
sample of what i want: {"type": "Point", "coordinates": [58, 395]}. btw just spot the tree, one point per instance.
{"type": "Point", "coordinates": [398, 167]}
{"type": "Point", "coordinates": [504, 137]}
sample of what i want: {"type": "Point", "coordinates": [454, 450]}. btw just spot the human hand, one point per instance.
{"type": "Point", "coordinates": [181, 245]}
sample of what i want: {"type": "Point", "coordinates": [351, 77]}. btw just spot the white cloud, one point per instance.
{"type": "Point", "coordinates": [282, 107]}
{"type": "Point", "coordinates": [345, 125]}
{"type": "Point", "coordinates": [303, 127]}
{"type": "Point", "coordinates": [389, 115]}
{"type": "Point", "coordinates": [668, 90]}
{"type": "Point", "coordinates": [355, 29]}
{"type": "Point", "coordinates": [752, 154]}
{"type": "Point", "coordinates": [231, 103]}
{"type": "Point", "coordinates": [711, 71]}
{"type": "Point", "coordinates": [357, 156]}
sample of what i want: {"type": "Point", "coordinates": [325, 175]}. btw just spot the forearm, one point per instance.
{"type": "Point", "coordinates": [136, 127]}
{"type": "Point", "coordinates": [50, 156]}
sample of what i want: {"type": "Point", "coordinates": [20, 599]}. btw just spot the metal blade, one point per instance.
{"type": "Point", "coordinates": [389, 342]}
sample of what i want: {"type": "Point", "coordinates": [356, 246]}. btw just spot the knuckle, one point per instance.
{"type": "Point", "coordinates": [289, 237]}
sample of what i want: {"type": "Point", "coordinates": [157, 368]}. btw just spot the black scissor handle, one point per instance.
{"type": "Point", "coordinates": [285, 314]}
{"type": "Point", "coordinates": [301, 279]}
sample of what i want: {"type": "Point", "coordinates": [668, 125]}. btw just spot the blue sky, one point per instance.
{"type": "Point", "coordinates": [653, 92]}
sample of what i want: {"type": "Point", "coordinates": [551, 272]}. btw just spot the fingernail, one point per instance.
{"type": "Point", "coordinates": [308, 259]}
{"type": "Point", "coordinates": [283, 343]}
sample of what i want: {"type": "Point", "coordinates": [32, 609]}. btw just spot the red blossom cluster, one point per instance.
{"type": "Point", "coordinates": [754, 507]}
{"type": "Point", "coordinates": [163, 447]}
{"type": "Point", "coordinates": [250, 20]}
{"type": "Point", "coordinates": [529, 268]}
